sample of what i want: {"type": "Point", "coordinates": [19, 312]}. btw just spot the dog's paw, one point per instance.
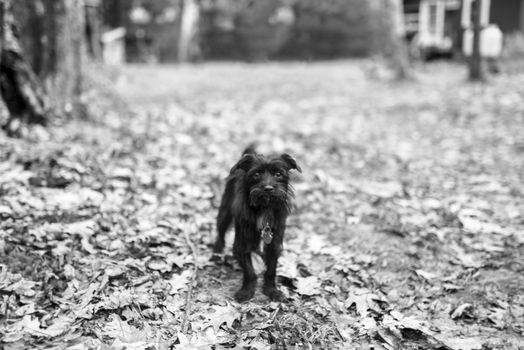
{"type": "Point", "coordinates": [274, 294]}
{"type": "Point", "coordinates": [218, 247]}
{"type": "Point", "coordinates": [244, 295]}
{"type": "Point", "coordinates": [216, 258]}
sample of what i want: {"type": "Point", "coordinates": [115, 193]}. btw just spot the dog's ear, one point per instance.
{"type": "Point", "coordinates": [290, 161]}
{"type": "Point", "coordinates": [244, 163]}
{"type": "Point", "coordinates": [251, 149]}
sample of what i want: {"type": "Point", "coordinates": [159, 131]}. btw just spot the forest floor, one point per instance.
{"type": "Point", "coordinates": [407, 233]}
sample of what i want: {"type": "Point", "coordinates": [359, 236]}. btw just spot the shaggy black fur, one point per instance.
{"type": "Point", "coordinates": [257, 200]}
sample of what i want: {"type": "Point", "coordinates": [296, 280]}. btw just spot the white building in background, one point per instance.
{"type": "Point", "coordinates": [114, 46]}
{"type": "Point", "coordinates": [441, 26]}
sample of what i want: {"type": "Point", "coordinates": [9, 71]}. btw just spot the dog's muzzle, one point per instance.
{"type": "Point", "coordinates": [263, 197]}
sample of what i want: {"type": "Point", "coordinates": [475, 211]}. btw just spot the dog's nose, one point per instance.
{"type": "Point", "coordinates": [268, 188]}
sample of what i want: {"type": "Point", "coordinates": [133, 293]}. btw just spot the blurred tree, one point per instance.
{"type": "Point", "coordinates": [153, 28]}
{"type": "Point", "coordinates": [476, 72]}
{"type": "Point", "coordinates": [305, 29]}
{"type": "Point", "coordinates": [398, 40]}
{"type": "Point", "coordinates": [330, 29]}
{"type": "Point", "coordinates": [21, 93]}
{"type": "Point", "coordinates": [50, 41]}
{"type": "Point", "coordinates": [255, 29]}
{"type": "Point", "coordinates": [188, 38]}
{"type": "Point", "coordinates": [93, 25]}
{"type": "Point", "coordinates": [387, 17]}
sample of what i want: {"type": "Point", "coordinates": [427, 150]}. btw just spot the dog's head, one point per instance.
{"type": "Point", "coordinates": [266, 179]}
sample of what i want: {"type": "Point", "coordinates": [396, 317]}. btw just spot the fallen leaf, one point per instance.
{"type": "Point", "coordinates": [428, 276]}
{"type": "Point", "coordinates": [5, 211]}
{"type": "Point", "coordinates": [498, 317]}
{"type": "Point", "coordinates": [474, 225]}
{"type": "Point", "coordinates": [465, 343]}
{"type": "Point", "coordinates": [451, 287]}
{"type": "Point", "coordinates": [381, 189]}
{"type": "Point", "coordinates": [468, 260]}
{"type": "Point", "coordinates": [308, 285]}
{"type": "Point", "coordinates": [59, 326]}
{"type": "Point", "coordinates": [220, 315]}
{"type": "Point", "coordinates": [463, 310]}
{"type": "Point", "coordinates": [159, 265]}
{"type": "Point", "coordinates": [124, 332]}
{"type": "Point", "coordinates": [364, 300]}
{"type": "Point", "coordinates": [179, 282]}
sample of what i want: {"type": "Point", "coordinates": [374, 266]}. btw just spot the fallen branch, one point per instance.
{"type": "Point", "coordinates": [185, 323]}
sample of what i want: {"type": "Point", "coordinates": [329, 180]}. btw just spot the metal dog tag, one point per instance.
{"type": "Point", "coordinates": [267, 234]}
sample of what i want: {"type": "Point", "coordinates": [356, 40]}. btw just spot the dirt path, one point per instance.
{"type": "Point", "coordinates": [407, 231]}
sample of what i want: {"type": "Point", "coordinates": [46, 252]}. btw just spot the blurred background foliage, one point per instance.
{"type": "Point", "coordinates": [306, 29]}
{"type": "Point", "coordinates": [54, 50]}
{"type": "Point", "coordinates": [67, 46]}
{"type": "Point", "coordinates": [248, 30]}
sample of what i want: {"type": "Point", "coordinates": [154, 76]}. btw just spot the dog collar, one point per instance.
{"type": "Point", "coordinates": [267, 234]}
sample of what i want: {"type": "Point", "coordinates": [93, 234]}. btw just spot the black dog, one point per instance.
{"type": "Point", "coordinates": [257, 199]}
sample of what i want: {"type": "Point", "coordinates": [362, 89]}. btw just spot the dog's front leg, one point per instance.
{"type": "Point", "coordinates": [271, 253]}
{"type": "Point", "coordinates": [242, 252]}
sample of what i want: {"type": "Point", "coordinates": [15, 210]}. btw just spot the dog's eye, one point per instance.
{"type": "Point", "coordinates": [256, 175]}
{"type": "Point", "coordinates": [278, 174]}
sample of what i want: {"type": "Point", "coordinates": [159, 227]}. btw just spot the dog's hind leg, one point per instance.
{"type": "Point", "coordinates": [224, 220]}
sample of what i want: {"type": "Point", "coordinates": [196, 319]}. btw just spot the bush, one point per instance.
{"type": "Point", "coordinates": [330, 29]}
{"type": "Point", "coordinates": [321, 29]}
{"type": "Point", "coordinates": [513, 46]}
{"type": "Point", "coordinates": [513, 52]}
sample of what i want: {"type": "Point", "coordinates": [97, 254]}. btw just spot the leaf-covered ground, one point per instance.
{"type": "Point", "coordinates": [407, 231]}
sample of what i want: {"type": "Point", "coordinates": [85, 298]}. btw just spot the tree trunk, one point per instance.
{"type": "Point", "coordinates": [93, 29]}
{"type": "Point", "coordinates": [188, 33]}
{"type": "Point", "coordinates": [59, 49]}
{"type": "Point", "coordinates": [20, 89]}
{"type": "Point", "coordinates": [398, 34]}
{"type": "Point", "coordinates": [67, 52]}
{"type": "Point", "coordinates": [476, 72]}
{"type": "Point", "coordinates": [387, 22]}
{"type": "Point", "coordinates": [2, 12]}
{"type": "Point", "coordinates": [53, 41]}
{"type": "Point", "coordinates": [4, 114]}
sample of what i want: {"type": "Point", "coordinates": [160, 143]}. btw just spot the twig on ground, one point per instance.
{"type": "Point", "coordinates": [274, 314]}
{"type": "Point", "coordinates": [185, 323]}
{"type": "Point", "coordinates": [6, 312]}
